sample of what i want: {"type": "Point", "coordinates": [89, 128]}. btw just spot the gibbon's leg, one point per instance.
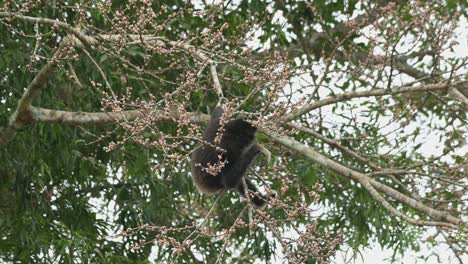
{"type": "Point", "coordinates": [258, 199]}
{"type": "Point", "coordinates": [265, 152]}
{"type": "Point", "coordinates": [232, 177]}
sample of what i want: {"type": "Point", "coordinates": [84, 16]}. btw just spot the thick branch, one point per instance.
{"type": "Point", "coordinates": [377, 169]}
{"type": "Point", "coordinates": [459, 95]}
{"type": "Point", "coordinates": [22, 114]}
{"type": "Point", "coordinates": [361, 178]}
{"type": "Point", "coordinates": [379, 198]}
{"type": "Point", "coordinates": [19, 118]}
{"type": "Point", "coordinates": [416, 204]}
{"type": "Point", "coordinates": [98, 118]}
{"type": "Point", "coordinates": [82, 118]}
{"type": "Point", "coordinates": [402, 65]}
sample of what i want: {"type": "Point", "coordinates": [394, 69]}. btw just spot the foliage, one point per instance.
{"type": "Point", "coordinates": [120, 191]}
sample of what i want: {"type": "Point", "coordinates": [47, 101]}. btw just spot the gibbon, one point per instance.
{"type": "Point", "coordinates": [237, 149]}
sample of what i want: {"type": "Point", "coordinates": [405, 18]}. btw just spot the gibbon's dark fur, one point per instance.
{"type": "Point", "coordinates": [238, 141]}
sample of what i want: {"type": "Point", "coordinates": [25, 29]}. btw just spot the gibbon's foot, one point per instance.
{"type": "Point", "coordinates": [259, 200]}
{"type": "Point", "coordinates": [265, 152]}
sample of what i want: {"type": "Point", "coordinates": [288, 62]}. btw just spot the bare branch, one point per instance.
{"type": "Point", "coordinates": [67, 27]}
{"type": "Point", "coordinates": [17, 120]}
{"type": "Point", "coordinates": [377, 169]}
{"type": "Point", "coordinates": [101, 72]}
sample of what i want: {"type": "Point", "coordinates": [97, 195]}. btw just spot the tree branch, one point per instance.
{"type": "Point", "coordinates": [85, 118]}
{"type": "Point", "coordinates": [374, 92]}
{"type": "Point", "coordinates": [377, 169]}
{"type": "Point", "coordinates": [334, 144]}
{"type": "Point", "coordinates": [459, 95]}
{"type": "Point", "coordinates": [22, 116]}
{"type": "Point", "coordinates": [402, 65]}
{"type": "Point", "coordinates": [315, 40]}
{"type": "Point", "coordinates": [99, 118]}
{"type": "Point", "coordinates": [436, 214]}
{"type": "Point", "coordinates": [67, 27]}
{"type": "Point", "coordinates": [362, 178]}
{"type": "Point", "coordinates": [25, 115]}
{"type": "Point", "coordinates": [379, 198]}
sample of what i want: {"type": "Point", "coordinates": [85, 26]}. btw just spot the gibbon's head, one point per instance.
{"type": "Point", "coordinates": [241, 127]}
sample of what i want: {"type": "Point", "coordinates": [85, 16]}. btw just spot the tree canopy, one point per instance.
{"type": "Point", "coordinates": [361, 103]}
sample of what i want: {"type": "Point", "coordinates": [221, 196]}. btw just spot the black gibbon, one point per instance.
{"type": "Point", "coordinates": [237, 149]}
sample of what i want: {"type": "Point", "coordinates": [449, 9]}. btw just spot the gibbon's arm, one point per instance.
{"type": "Point", "coordinates": [232, 176]}
{"type": "Point", "coordinates": [213, 126]}
{"type": "Point", "coordinates": [216, 114]}
{"type": "Point", "coordinates": [265, 152]}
